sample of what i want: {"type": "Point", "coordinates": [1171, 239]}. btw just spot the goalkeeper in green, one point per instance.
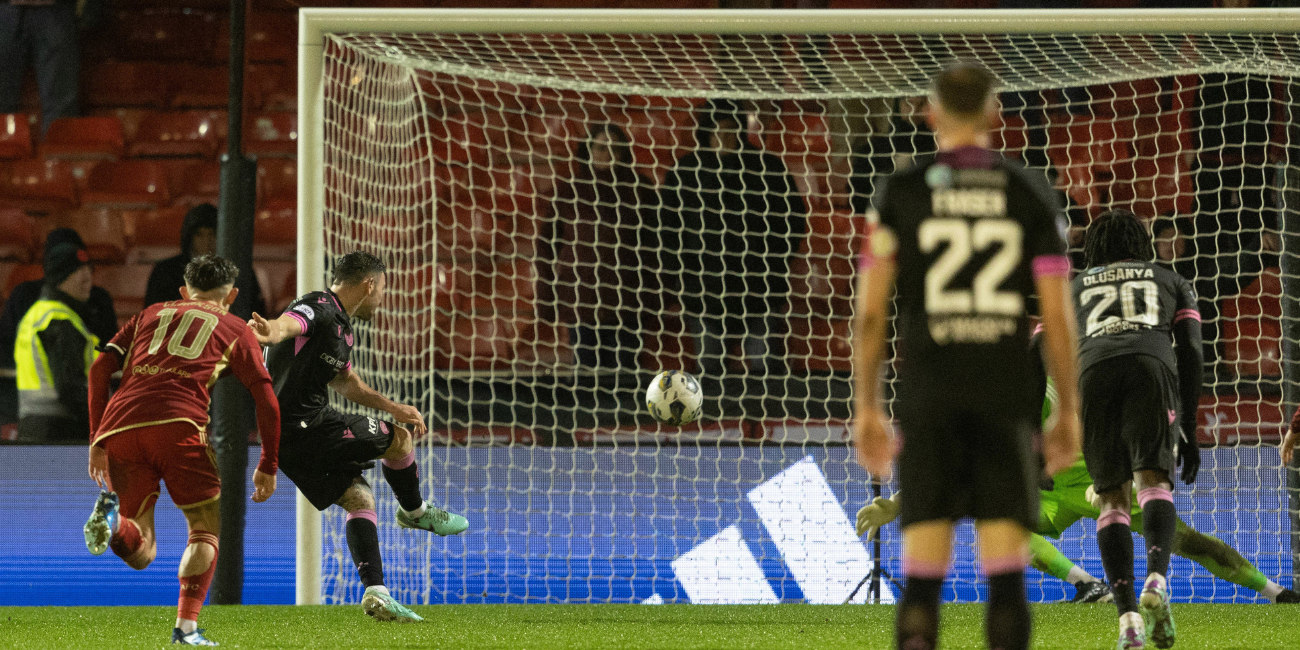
{"type": "Point", "coordinates": [1070, 499]}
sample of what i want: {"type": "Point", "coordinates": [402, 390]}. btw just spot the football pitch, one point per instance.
{"type": "Point", "coordinates": [608, 627]}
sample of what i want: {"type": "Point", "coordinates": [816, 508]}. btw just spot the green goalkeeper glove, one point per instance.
{"type": "Point", "coordinates": [876, 514]}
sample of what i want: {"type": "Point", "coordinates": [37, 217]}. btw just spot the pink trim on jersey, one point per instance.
{"type": "Point", "coordinates": [301, 321]}
{"type": "Point", "coordinates": [1154, 493]}
{"type": "Point", "coordinates": [1004, 565]}
{"type": "Point", "coordinates": [866, 260]}
{"type": "Point", "coordinates": [914, 568]}
{"type": "Point", "coordinates": [1184, 314]}
{"type": "Point", "coordinates": [1113, 517]}
{"type": "Point", "coordinates": [1057, 266]}
{"type": "Point", "coordinates": [401, 463]}
{"type": "Point", "coordinates": [298, 342]}
{"type": "Point", "coordinates": [1038, 329]}
{"type": "Point", "coordinates": [364, 514]}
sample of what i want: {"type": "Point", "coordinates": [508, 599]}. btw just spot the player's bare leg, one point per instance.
{"type": "Point", "coordinates": [927, 550]}
{"type": "Point", "coordinates": [1004, 552]}
{"type": "Point", "coordinates": [363, 542]}
{"type": "Point", "coordinates": [198, 563]}
{"type": "Point", "coordinates": [1225, 562]}
{"type": "Point", "coordinates": [1115, 541]}
{"type": "Point", "coordinates": [133, 538]}
{"type": "Point", "coordinates": [403, 476]}
{"type": "Point", "coordinates": [1160, 519]}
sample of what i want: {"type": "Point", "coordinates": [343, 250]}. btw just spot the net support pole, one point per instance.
{"type": "Point", "coordinates": [232, 406]}
{"type": "Point", "coordinates": [1290, 267]}
{"type": "Point", "coordinates": [311, 266]}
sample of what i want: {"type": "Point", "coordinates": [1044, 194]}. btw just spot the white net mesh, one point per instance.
{"type": "Point", "coordinates": [536, 288]}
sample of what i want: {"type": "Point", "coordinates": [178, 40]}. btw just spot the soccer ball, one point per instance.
{"type": "Point", "coordinates": [674, 397]}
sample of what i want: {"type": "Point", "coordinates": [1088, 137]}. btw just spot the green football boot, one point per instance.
{"type": "Point", "coordinates": [383, 607]}
{"type": "Point", "coordinates": [1154, 604]}
{"type": "Point", "coordinates": [435, 520]}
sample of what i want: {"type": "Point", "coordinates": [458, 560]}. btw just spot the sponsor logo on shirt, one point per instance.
{"type": "Point", "coordinates": [332, 361]}
{"type": "Point", "coordinates": [305, 311]}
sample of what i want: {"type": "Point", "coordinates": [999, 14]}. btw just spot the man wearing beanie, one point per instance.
{"type": "Point", "coordinates": [198, 237]}
{"type": "Point", "coordinates": [54, 351]}
{"type": "Point", "coordinates": [98, 314]}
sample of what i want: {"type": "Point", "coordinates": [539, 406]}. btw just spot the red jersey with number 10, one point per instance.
{"type": "Point", "coordinates": [173, 352]}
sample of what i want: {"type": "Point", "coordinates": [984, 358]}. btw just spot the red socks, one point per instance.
{"type": "Point", "coordinates": [194, 589]}
{"type": "Point", "coordinates": [126, 542]}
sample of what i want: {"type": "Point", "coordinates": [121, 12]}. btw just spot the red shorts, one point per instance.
{"type": "Point", "coordinates": [175, 452]}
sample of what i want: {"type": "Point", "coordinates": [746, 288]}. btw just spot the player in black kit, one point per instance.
{"type": "Point", "coordinates": [968, 236]}
{"type": "Point", "coordinates": [324, 451]}
{"type": "Point", "coordinates": [1136, 410]}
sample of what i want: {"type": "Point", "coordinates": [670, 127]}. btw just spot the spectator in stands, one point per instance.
{"type": "Point", "coordinates": [198, 237]}
{"type": "Point", "coordinates": [97, 313]}
{"type": "Point", "coordinates": [54, 351]}
{"type": "Point", "coordinates": [740, 218]}
{"type": "Point", "coordinates": [1174, 247]}
{"type": "Point", "coordinates": [45, 33]}
{"type": "Point", "coordinates": [597, 253]}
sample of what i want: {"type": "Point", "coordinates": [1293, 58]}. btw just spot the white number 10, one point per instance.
{"type": "Point", "coordinates": [964, 238]}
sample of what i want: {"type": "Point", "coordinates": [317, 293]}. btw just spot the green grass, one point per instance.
{"type": "Point", "coordinates": [619, 627]}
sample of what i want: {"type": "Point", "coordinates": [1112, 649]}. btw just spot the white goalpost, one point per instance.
{"type": "Point", "coordinates": [538, 182]}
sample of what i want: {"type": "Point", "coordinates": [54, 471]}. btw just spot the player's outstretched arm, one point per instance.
{"type": "Point", "coordinates": [1187, 351]}
{"type": "Point", "coordinates": [352, 388]}
{"type": "Point", "coordinates": [271, 332]}
{"type": "Point", "coordinates": [872, 437]}
{"type": "Point", "coordinates": [1060, 350]}
{"type": "Point", "coordinates": [101, 374]}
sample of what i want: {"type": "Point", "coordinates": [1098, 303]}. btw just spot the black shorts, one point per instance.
{"type": "Point", "coordinates": [967, 460]}
{"type": "Point", "coordinates": [326, 456]}
{"type": "Point", "coordinates": [1129, 413]}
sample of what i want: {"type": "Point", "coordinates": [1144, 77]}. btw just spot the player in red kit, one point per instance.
{"type": "Point", "coordinates": [154, 428]}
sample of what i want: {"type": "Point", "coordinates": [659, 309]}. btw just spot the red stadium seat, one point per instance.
{"type": "Point", "coordinates": [667, 345]}
{"type": "Point", "coordinates": [127, 185]}
{"type": "Point", "coordinates": [200, 86]}
{"type": "Point", "coordinates": [154, 234]}
{"type": "Point", "coordinates": [819, 344]}
{"type": "Point", "coordinates": [37, 185]}
{"type": "Point", "coordinates": [272, 134]}
{"type": "Point", "coordinates": [277, 182]}
{"type": "Point", "coordinates": [194, 181]}
{"type": "Point", "coordinates": [22, 273]}
{"type": "Point", "coordinates": [171, 34]}
{"type": "Point", "coordinates": [18, 240]}
{"type": "Point", "coordinates": [266, 39]}
{"type": "Point", "coordinates": [101, 228]}
{"type": "Point", "coordinates": [822, 275]}
{"type": "Point", "coordinates": [272, 276]}
{"type": "Point", "coordinates": [271, 87]}
{"type": "Point", "coordinates": [15, 135]}
{"type": "Point", "coordinates": [127, 284]}
{"type": "Point", "coordinates": [275, 233]}
{"type": "Point", "coordinates": [119, 84]}
{"type": "Point", "coordinates": [1252, 331]}
{"type": "Point", "coordinates": [1011, 135]}
{"type": "Point", "coordinates": [84, 137]}
{"type": "Point", "coordinates": [192, 133]}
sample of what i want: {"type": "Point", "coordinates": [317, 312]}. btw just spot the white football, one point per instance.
{"type": "Point", "coordinates": [674, 397]}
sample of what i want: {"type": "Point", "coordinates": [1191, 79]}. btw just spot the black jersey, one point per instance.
{"type": "Point", "coordinates": [1130, 308]}
{"type": "Point", "coordinates": [302, 367]}
{"type": "Point", "coordinates": [970, 230]}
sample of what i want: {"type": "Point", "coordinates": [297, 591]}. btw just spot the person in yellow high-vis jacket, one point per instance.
{"type": "Point", "coordinates": [54, 351]}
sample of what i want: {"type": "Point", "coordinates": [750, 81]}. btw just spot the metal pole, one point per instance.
{"type": "Point", "coordinates": [1290, 266]}
{"type": "Point", "coordinates": [232, 406]}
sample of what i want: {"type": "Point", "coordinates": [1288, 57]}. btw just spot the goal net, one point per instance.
{"type": "Point", "coordinates": [566, 214]}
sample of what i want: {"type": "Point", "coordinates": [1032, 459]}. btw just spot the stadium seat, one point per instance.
{"type": "Point", "coordinates": [84, 137]}
{"type": "Point", "coordinates": [272, 134]}
{"type": "Point", "coordinates": [667, 345]}
{"type": "Point", "coordinates": [272, 276]}
{"type": "Point", "coordinates": [271, 87]}
{"type": "Point", "coordinates": [101, 228]}
{"type": "Point", "coordinates": [822, 275]}
{"type": "Point", "coordinates": [194, 181]}
{"type": "Point", "coordinates": [154, 234]}
{"type": "Point", "coordinates": [127, 284]}
{"type": "Point", "coordinates": [37, 185]}
{"type": "Point", "coordinates": [22, 273]}
{"type": "Point", "coordinates": [463, 342]}
{"type": "Point", "coordinates": [275, 233]}
{"type": "Point", "coordinates": [277, 182]}
{"type": "Point", "coordinates": [1011, 135]}
{"type": "Point", "coordinates": [266, 39]}
{"type": "Point", "coordinates": [200, 86]}
{"type": "Point", "coordinates": [171, 34]}
{"type": "Point", "coordinates": [18, 237]}
{"type": "Point", "coordinates": [190, 133]}
{"type": "Point", "coordinates": [820, 344]}
{"type": "Point", "coordinates": [1251, 323]}
{"type": "Point", "coordinates": [127, 185]}
{"type": "Point", "coordinates": [15, 135]}
{"type": "Point", "coordinates": [121, 84]}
